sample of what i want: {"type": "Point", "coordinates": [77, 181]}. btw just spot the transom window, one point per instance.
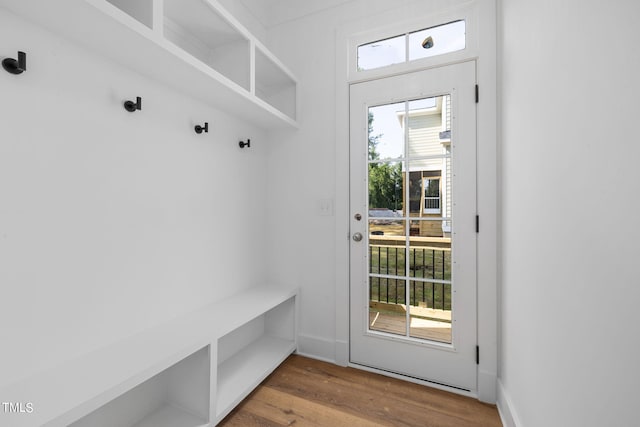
{"type": "Point", "coordinates": [414, 45]}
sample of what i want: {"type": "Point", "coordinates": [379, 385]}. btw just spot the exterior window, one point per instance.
{"type": "Point", "coordinates": [407, 47]}
{"type": "Point", "coordinates": [431, 195]}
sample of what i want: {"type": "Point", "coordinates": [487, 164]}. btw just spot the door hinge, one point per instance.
{"type": "Point", "coordinates": [477, 94]}
{"type": "Point", "coordinates": [477, 223]}
{"type": "Point", "coordinates": [477, 355]}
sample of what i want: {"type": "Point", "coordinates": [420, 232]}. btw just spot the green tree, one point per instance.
{"type": "Point", "coordinates": [373, 140]}
{"type": "Point", "coordinates": [385, 185]}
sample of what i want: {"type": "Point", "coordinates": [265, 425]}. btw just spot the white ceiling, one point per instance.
{"type": "Point", "coordinates": [275, 12]}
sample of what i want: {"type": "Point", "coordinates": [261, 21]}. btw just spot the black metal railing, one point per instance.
{"type": "Point", "coordinates": [432, 203]}
{"type": "Point", "coordinates": [431, 267]}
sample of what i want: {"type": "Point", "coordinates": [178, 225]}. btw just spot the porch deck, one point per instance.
{"type": "Point", "coordinates": [428, 324]}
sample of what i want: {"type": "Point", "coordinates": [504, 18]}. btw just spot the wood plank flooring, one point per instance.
{"type": "Point", "coordinates": [307, 392]}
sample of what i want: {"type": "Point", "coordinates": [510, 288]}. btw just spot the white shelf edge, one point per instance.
{"type": "Point", "coordinates": [252, 67]}
{"type": "Point", "coordinates": [284, 117]}
{"type": "Point", "coordinates": [241, 374]}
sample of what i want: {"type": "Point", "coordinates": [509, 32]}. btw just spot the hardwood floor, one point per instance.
{"type": "Point", "coordinates": [307, 392]}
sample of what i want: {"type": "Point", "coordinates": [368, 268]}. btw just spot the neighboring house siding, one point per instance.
{"type": "Point", "coordinates": [447, 108]}
{"type": "Point", "coordinates": [447, 190]}
{"type": "Point", "coordinates": [447, 178]}
{"type": "Point", "coordinates": [424, 140]}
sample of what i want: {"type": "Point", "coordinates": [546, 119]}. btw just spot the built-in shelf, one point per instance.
{"type": "Point", "coordinates": [274, 84]}
{"type": "Point", "coordinates": [249, 353]}
{"type": "Point", "coordinates": [188, 372]}
{"type": "Point", "coordinates": [177, 396]}
{"type": "Point", "coordinates": [241, 374]}
{"type": "Point", "coordinates": [198, 28]}
{"type": "Point", "coordinates": [194, 46]}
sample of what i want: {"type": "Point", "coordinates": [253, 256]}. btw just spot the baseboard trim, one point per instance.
{"type": "Point", "coordinates": [506, 409]}
{"type": "Point", "coordinates": [342, 353]}
{"type": "Point", "coordinates": [487, 387]}
{"type": "Point", "coordinates": [317, 348]}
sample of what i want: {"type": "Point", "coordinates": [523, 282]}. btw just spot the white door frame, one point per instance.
{"type": "Point", "coordinates": [481, 46]}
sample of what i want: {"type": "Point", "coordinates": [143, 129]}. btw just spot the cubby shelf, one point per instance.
{"type": "Point", "coordinates": [189, 372]}
{"type": "Point", "coordinates": [193, 46]}
{"type": "Point", "coordinates": [177, 396]}
{"type": "Point", "coordinates": [242, 373]}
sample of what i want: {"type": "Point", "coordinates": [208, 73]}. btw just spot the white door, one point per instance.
{"type": "Point", "coordinates": [413, 225]}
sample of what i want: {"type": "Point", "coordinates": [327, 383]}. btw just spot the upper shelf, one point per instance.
{"type": "Point", "coordinates": [194, 46]}
{"type": "Point", "coordinates": [196, 27]}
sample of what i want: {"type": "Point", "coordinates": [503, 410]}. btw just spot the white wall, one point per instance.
{"type": "Point", "coordinates": [111, 222]}
{"type": "Point", "coordinates": [570, 200]}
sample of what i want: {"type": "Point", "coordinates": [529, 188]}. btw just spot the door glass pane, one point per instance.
{"type": "Point", "coordinates": [387, 247]}
{"type": "Point", "coordinates": [429, 130]}
{"type": "Point", "coordinates": [385, 189]}
{"type": "Point", "coordinates": [386, 131]}
{"type": "Point", "coordinates": [429, 254]}
{"type": "Point", "coordinates": [430, 310]}
{"type": "Point", "coordinates": [387, 272]}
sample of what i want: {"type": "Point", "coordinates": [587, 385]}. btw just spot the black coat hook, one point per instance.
{"type": "Point", "coordinates": [131, 106]}
{"type": "Point", "coordinates": [243, 144]}
{"type": "Point", "coordinates": [200, 129]}
{"type": "Point", "coordinates": [15, 67]}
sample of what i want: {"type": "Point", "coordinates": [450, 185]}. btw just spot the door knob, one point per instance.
{"type": "Point", "coordinates": [357, 237]}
